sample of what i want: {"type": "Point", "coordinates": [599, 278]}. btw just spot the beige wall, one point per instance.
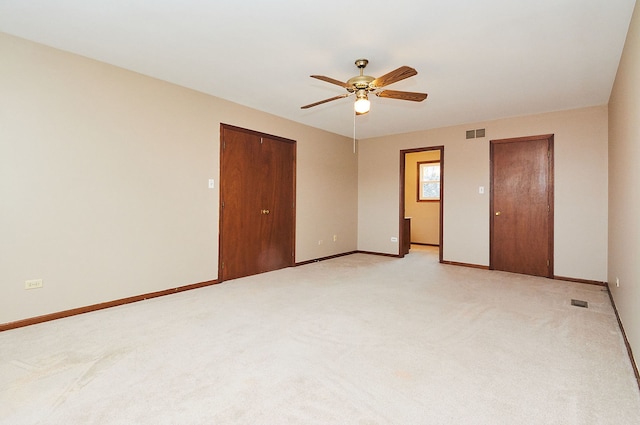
{"type": "Point", "coordinates": [624, 186]}
{"type": "Point", "coordinates": [580, 188]}
{"type": "Point", "coordinates": [103, 179]}
{"type": "Point", "coordinates": [103, 182]}
{"type": "Point", "coordinates": [425, 216]}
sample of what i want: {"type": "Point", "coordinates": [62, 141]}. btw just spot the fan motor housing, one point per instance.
{"type": "Point", "coordinates": [360, 82]}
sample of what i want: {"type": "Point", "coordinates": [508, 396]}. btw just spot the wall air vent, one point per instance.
{"type": "Point", "coordinates": [474, 134]}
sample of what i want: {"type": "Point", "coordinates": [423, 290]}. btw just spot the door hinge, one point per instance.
{"type": "Point", "coordinates": [548, 263]}
{"type": "Point", "coordinates": [222, 265]}
{"type": "Point", "coordinates": [261, 140]}
{"type": "Point", "coordinates": [222, 204]}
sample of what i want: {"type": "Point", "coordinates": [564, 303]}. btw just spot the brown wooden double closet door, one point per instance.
{"type": "Point", "coordinates": [521, 223]}
{"type": "Point", "coordinates": [257, 210]}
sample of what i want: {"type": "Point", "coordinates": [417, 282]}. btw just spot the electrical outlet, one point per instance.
{"type": "Point", "coordinates": [320, 242]}
{"type": "Point", "coordinates": [335, 238]}
{"type": "Point", "coordinates": [33, 284]}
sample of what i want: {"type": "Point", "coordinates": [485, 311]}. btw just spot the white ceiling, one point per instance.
{"type": "Point", "coordinates": [478, 60]}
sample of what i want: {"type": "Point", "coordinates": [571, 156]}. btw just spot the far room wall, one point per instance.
{"type": "Point", "coordinates": [580, 188]}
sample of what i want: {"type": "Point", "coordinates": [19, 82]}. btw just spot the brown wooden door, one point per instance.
{"type": "Point", "coordinates": [257, 203]}
{"type": "Point", "coordinates": [522, 205]}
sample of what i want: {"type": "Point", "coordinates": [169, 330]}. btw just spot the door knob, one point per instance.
{"type": "Point", "coordinates": [498, 213]}
{"type": "Point", "coordinates": [264, 211]}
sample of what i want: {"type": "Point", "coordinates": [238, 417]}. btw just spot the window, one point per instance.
{"type": "Point", "coordinates": [429, 181]}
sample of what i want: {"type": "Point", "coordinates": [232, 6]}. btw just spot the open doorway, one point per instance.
{"type": "Point", "coordinates": [421, 198]}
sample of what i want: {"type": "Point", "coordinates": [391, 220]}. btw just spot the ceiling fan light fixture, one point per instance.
{"type": "Point", "coordinates": [362, 104]}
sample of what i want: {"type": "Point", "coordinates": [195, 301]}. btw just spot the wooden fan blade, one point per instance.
{"type": "Point", "coordinates": [324, 101]}
{"type": "Point", "coordinates": [394, 76]}
{"type": "Point", "coordinates": [403, 95]}
{"type": "Point", "coordinates": [331, 80]}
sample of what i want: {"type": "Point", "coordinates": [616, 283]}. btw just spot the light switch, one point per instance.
{"type": "Point", "coordinates": [481, 190]}
{"type": "Point", "coordinates": [211, 185]}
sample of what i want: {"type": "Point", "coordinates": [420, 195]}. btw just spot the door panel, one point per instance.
{"type": "Point", "coordinates": [277, 199]}
{"type": "Point", "coordinates": [257, 195]}
{"type": "Point", "coordinates": [521, 205]}
{"type": "Point", "coordinates": [239, 229]}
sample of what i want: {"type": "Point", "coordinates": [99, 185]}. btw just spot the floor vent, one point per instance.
{"type": "Point", "coordinates": [580, 303]}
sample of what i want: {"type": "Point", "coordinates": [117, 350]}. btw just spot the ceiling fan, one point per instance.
{"type": "Point", "coordinates": [362, 85]}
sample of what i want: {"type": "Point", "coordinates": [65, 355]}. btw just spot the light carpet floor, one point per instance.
{"type": "Point", "coordinates": [360, 339]}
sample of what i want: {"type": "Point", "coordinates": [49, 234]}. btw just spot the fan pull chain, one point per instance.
{"type": "Point", "coordinates": [354, 132]}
